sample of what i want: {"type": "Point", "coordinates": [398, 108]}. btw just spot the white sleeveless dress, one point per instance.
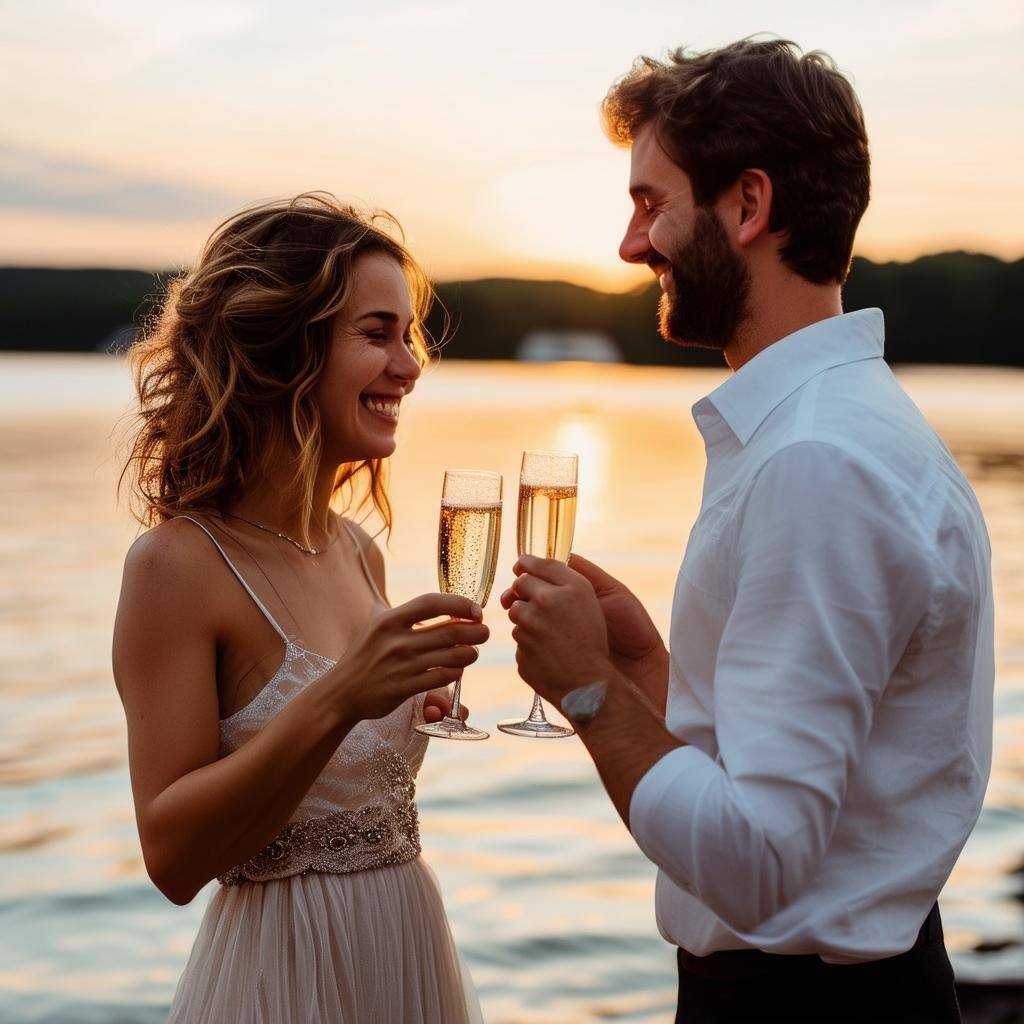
{"type": "Point", "coordinates": [338, 920]}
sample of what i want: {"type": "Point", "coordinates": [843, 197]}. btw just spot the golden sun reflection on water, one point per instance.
{"type": "Point", "coordinates": [583, 433]}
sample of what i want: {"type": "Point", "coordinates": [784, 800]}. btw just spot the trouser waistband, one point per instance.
{"type": "Point", "coordinates": [740, 963]}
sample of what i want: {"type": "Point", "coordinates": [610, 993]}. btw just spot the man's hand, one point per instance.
{"type": "Point", "coordinates": [636, 647]}
{"type": "Point", "coordinates": [561, 638]}
{"type": "Point", "coordinates": [575, 625]}
{"type": "Point", "coordinates": [631, 641]}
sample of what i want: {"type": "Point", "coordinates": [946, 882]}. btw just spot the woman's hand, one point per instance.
{"type": "Point", "coordinates": [438, 705]}
{"type": "Point", "coordinates": [397, 658]}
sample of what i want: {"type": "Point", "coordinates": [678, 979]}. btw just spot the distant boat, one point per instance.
{"type": "Point", "coordinates": [551, 346]}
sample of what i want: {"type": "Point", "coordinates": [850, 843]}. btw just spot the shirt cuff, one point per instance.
{"type": "Point", "coordinates": [663, 808]}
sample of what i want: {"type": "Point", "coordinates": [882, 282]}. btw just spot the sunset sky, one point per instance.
{"type": "Point", "coordinates": [128, 130]}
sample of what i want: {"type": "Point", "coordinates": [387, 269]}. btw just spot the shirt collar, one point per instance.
{"type": "Point", "coordinates": [749, 396]}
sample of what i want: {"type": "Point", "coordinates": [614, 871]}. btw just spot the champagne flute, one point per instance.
{"type": "Point", "coordinates": [467, 557]}
{"type": "Point", "coordinates": [547, 518]}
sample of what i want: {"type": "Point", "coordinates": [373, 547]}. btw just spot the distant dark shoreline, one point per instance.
{"type": "Point", "coordinates": [956, 307]}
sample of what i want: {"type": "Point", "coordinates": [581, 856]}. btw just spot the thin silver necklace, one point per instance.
{"type": "Point", "coordinates": [291, 540]}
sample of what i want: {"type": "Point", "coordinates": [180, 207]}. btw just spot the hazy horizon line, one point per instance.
{"type": "Point", "coordinates": [470, 279]}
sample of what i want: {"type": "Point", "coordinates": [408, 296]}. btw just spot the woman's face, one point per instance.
{"type": "Point", "coordinates": [371, 365]}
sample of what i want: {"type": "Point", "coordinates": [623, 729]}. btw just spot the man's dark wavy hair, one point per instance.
{"type": "Point", "coordinates": [760, 104]}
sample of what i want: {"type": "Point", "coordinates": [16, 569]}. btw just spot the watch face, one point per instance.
{"type": "Point", "coordinates": [583, 703]}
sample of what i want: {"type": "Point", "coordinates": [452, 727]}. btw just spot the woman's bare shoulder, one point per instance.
{"type": "Point", "coordinates": [171, 610]}
{"type": "Point", "coordinates": [175, 546]}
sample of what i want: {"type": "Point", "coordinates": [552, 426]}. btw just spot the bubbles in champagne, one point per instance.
{"type": "Point", "coordinates": [467, 549]}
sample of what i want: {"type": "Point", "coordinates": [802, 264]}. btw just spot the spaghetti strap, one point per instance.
{"type": "Point", "coordinates": [362, 560]}
{"type": "Point", "coordinates": [241, 579]}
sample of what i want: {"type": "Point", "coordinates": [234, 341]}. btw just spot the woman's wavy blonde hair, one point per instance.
{"type": "Point", "coordinates": [227, 373]}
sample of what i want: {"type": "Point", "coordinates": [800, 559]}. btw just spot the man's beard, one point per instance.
{"type": "Point", "coordinates": [710, 286]}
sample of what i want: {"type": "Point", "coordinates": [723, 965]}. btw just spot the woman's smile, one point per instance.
{"type": "Point", "coordinates": [383, 406]}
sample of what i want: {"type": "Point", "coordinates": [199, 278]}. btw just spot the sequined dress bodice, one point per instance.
{"type": "Point", "coordinates": [360, 812]}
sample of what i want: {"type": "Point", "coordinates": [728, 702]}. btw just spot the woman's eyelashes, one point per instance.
{"type": "Point", "coordinates": [384, 337]}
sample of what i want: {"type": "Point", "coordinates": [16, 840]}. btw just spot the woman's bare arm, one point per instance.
{"type": "Point", "coordinates": [199, 815]}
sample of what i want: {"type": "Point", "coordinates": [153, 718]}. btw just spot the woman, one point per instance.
{"type": "Point", "coordinates": [269, 690]}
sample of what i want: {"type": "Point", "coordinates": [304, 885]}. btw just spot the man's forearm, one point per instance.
{"type": "Point", "coordinates": [625, 739]}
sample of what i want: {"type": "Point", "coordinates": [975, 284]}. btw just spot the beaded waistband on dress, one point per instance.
{"type": "Point", "coordinates": [372, 837]}
{"type": "Point", "coordinates": [380, 833]}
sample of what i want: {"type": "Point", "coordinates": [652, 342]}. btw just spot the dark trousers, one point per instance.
{"type": "Point", "coordinates": [745, 986]}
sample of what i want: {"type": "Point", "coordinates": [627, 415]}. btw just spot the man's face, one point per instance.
{"type": "Point", "coordinates": [704, 281]}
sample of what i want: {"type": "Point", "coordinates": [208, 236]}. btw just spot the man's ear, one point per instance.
{"type": "Point", "coordinates": [753, 199]}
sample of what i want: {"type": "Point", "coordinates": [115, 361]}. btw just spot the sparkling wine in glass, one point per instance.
{"type": "Point", "coordinates": [467, 557]}
{"type": "Point", "coordinates": [547, 518]}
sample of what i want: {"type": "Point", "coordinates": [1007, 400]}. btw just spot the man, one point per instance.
{"type": "Point", "coordinates": [807, 763]}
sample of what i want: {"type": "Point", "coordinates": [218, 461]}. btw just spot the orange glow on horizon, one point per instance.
{"type": "Point", "coordinates": [30, 239]}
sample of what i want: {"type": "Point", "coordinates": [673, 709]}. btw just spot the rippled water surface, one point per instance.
{"type": "Point", "coordinates": [549, 900]}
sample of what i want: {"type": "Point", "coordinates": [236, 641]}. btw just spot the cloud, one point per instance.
{"type": "Point", "coordinates": [33, 180]}
{"type": "Point", "coordinates": [109, 40]}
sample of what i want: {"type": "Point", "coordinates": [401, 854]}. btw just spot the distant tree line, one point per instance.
{"type": "Point", "coordinates": [950, 308]}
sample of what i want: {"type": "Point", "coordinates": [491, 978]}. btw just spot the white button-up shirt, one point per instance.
{"type": "Point", "coordinates": [831, 664]}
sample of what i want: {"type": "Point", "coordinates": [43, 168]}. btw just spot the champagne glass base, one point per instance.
{"type": "Point", "coordinates": [538, 730]}
{"type": "Point", "coordinates": [451, 729]}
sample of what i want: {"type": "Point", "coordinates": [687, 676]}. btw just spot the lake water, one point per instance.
{"type": "Point", "coordinates": [549, 899]}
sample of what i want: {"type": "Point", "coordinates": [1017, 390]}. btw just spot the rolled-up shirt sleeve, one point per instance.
{"type": "Point", "coordinates": [831, 581]}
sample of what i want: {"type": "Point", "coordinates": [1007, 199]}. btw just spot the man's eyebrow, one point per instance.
{"type": "Point", "coordinates": [639, 191]}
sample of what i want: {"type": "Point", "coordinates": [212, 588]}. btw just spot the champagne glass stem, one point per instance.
{"type": "Point", "coordinates": [537, 711]}
{"type": "Point", "coordinates": [456, 708]}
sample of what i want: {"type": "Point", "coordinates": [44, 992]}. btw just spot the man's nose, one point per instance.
{"type": "Point", "coordinates": [635, 244]}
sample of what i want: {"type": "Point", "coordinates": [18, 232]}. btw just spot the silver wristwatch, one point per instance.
{"type": "Point", "coordinates": [581, 705]}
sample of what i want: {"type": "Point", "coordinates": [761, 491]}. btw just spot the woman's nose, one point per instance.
{"type": "Point", "coordinates": [405, 366]}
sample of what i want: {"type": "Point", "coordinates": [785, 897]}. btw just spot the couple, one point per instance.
{"type": "Point", "coordinates": [803, 763]}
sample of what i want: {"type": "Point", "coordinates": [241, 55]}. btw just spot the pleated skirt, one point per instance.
{"type": "Point", "coordinates": [371, 947]}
